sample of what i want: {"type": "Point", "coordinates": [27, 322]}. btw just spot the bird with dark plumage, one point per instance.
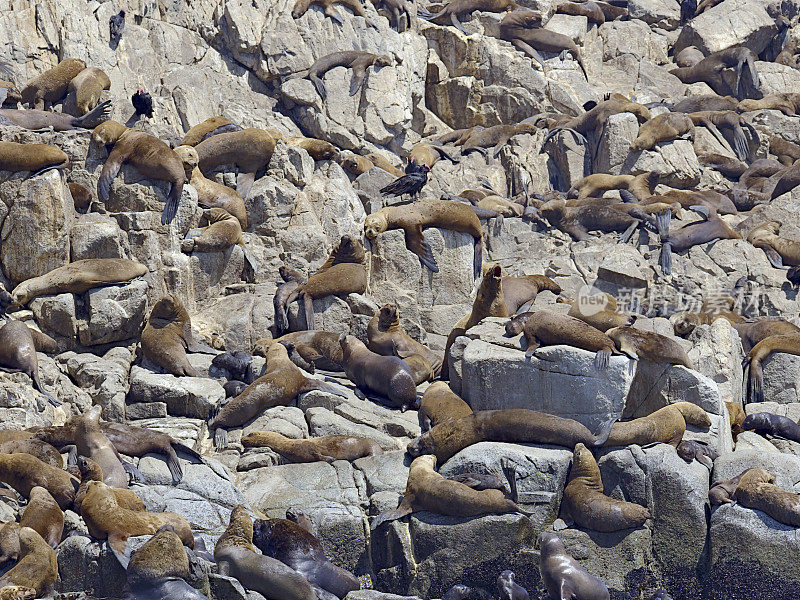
{"type": "Point", "coordinates": [142, 103]}
{"type": "Point", "coordinates": [411, 183]}
{"type": "Point", "coordinates": [115, 26]}
{"type": "Point", "coordinates": [793, 276]}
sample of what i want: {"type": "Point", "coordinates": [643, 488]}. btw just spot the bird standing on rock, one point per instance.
{"type": "Point", "coordinates": [115, 26]}
{"type": "Point", "coordinates": [411, 183]}
{"type": "Point", "coordinates": [142, 103]}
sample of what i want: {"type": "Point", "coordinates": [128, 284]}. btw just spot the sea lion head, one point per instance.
{"type": "Point", "coordinates": [93, 415]}
{"type": "Point", "coordinates": [107, 133]}
{"type": "Point", "coordinates": [387, 316]}
{"type": "Point", "coordinates": [642, 112]}
{"type": "Point", "coordinates": [260, 347]}
{"type": "Point", "coordinates": [169, 308]}
{"type": "Point", "coordinates": [523, 18]}
{"type": "Point", "coordinates": [684, 323]}
{"type": "Point", "coordinates": [256, 439]}
{"type": "Point", "coordinates": [752, 476]}
{"type": "Point", "coordinates": [553, 210]}
{"type": "Point", "coordinates": [374, 224]}
{"type": "Point", "coordinates": [295, 515]}
{"type": "Point", "coordinates": [189, 157]}
{"type": "Point", "coordinates": [458, 592]}
{"type": "Point", "coordinates": [384, 60]}
{"type": "Point", "coordinates": [89, 470]}
{"type": "Point", "coordinates": [239, 531]}
{"type": "Point", "coordinates": [490, 284]}
{"type": "Point", "coordinates": [550, 543]}
{"type": "Point", "coordinates": [215, 215]}
{"type": "Point", "coordinates": [349, 249]}
{"type": "Point", "coordinates": [517, 324]}
{"type": "Point", "coordinates": [422, 445]}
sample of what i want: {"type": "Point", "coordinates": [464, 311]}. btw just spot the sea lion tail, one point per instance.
{"type": "Point", "coordinates": [94, 117]}
{"type": "Point", "coordinates": [38, 384]}
{"type": "Point", "coordinates": [391, 515]}
{"type": "Point", "coordinates": [662, 224]}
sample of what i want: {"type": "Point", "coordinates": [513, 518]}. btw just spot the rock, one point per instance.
{"type": "Point", "coordinates": [97, 236]}
{"type": "Point", "coordinates": [184, 396]}
{"type": "Point", "coordinates": [56, 314]}
{"type": "Point", "coordinates": [321, 421]}
{"type": "Point", "coordinates": [615, 143]}
{"type": "Point", "coordinates": [675, 162]}
{"type": "Point", "coordinates": [115, 314]}
{"type": "Point", "coordinates": [662, 13]}
{"type": "Point", "coordinates": [105, 379]}
{"type": "Point", "coordinates": [781, 378]}
{"type": "Point", "coordinates": [716, 354]}
{"type": "Point", "coordinates": [730, 23]}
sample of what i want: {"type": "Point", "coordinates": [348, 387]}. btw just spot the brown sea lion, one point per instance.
{"type": "Point", "coordinates": [662, 128]}
{"type": "Point", "coordinates": [168, 335]}
{"type": "Point", "coordinates": [358, 165]}
{"type": "Point", "coordinates": [788, 104]}
{"type": "Point", "coordinates": [781, 182]}
{"type": "Point", "coordinates": [518, 291]}
{"type": "Point", "coordinates": [350, 59]}
{"type": "Point", "coordinates": [713, 228]}
{"type": "Point", "coordinates": [380, 161]}
{"type": "Point", "coordinates": [688, 198]}
{"type": "Point", "coordinates": [151, 157]}
{"type": "Point", "coordinates": [666, 425]}
{"type": "Point", "coordinates": [641, 186]}
{"type": "Point", "coordinates": [586, 504]}
{"type": "Point", "coordinates": [757, 490]}
{"type": "Point", "coordinates": [494, 137]}
{"type": "Point", "coordinates": [207, 128]}
{"type": "Point", "coordinates": [602, 318]}
{"type": "Point", "coordinates": [728, 120]}
{"type": "Point", "coordinates": [87, 87]}
{"type": "Point", "coordinates": [24, 472]}
{"type": "Point", "coordinates": [590, 10]}
{"type": "Point", "coordinates": [326, 448]}
{"type": "Point", "coordinates": [722, 491]}
{"type": "Point", "coordinates": [460, 8]}
{"type": "Point", "coordinates": [31, 157]}
{"type": "Point", "coordinates": [412, 219]}
{"type": "Point", "coordinates": [752, 332]}
{"type": "Point", "coordinates": [564, 576]}
{"type": "Point", "coordinates": [91, 471]}
{"type": "Point", "coordinates": [81, 196]}
{"type": "Point", "coordinates": [281, 383]}
{"type": "Point", "coordinates": [292, 279]}
{"type": "Point", "coordinates": [43, 515]}
{"type": "Point", "coordinates": [92, 443]}
{"type": "Point", "coordinates": [736, 416]}
{"type": "Point", "coordinates": [211, 194]}
{"type": "Point", "coordinates": [689, 57]}
{"type": "Point", "coordinates": [398, 9]}
{"type": "Point", "coordinates": [386, 336]}
{"type": "Point", "coordinates": [786, 152]}
{"type": "Point", "coordinates": [316, 148]}
{"type": "Point", "coordinates": [786, 343]}
{"type": "Point", "coordinates": [321, 348]}
{"type": "Point", "coordinates": [222, 232]}
{"type": "Point", "coordinates": [703, 102]}
{"type": "Point", "coordinates": [18, 354]}
{"type": "Point", "coordinates": [386, 377]}
{"type": "Point", "coordinates": [730, 167]}
{"type": "Point", "coordinates": [302, 6]}
{"type": "Point", "coordinates": [780, 251]}
{"type": "Point", "coordinates": [9, 542]}
{"type": "Point", "coordinates": [51, 86]}
{"type": "Point", "coordinates": [686, 322]}
{"type": "Point", "coordinates": [37, 567]}
{"type": "Point", "coordinates": [548, 328]}
{"type": "Point", "coordinates": [710, 69]}
{"type": "Point", "coordinates": [600, 214]}
{"type": "Point", "coordinates": [249, 149]}
{"type": "Point", "coordinates": [236, 557]}
{"type": "Point", "coordinates": [427, 490]}
{"type": "Point", "coordinates": [35, 447]}
{"type": "Point", "coordinates": [648, 345]}
{"type": "Point", "coordinates": [45, 119]}
{"type": "Point", "coordinates": [439, 403]}
{"type": "Point", "coordinates": [423, 153]}
{"type": "Point", "coordinates": [515, 425]}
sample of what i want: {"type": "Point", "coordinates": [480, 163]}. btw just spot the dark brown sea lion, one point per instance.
{"type": "Point", "coordinates": [459, 8]}
{"type": "Point", "coordinates": [781, 182]}
{"type": "Point", "coordinates": [321, 348]}
{"type": "Point", "coordinates": [43, 515]}
{"type": "Point", "coordinates": [662, 128]}
{"type": "Point", "coordinates": [786, 152]}
{"type": "Point", "coordinates": [689, 198]}
{"type": "Point", "coordinates": [51, 86]}
{"type": "Point", "coordinates": [91, 471]}
{"type": "Point", "coordinates": [648, 345]}
{"type": "Point", "coordinates": [516, 425]}
{"type": "Point", "coordinates": [87, 87]}
{"type": "Point", "coordinates": [710, 69]}
{"type": "Point", "coordinates": [547, 328]}
{"type": "Point", "coordinates": [439, 403]}
{"type": "Point", "coordinates": [236, 557]}
{"type": "Point", "coordinates": [92, 443]}
{"type": "Point", "coordinates": [222, 232]}
{"type": "Point", "coordinates": [757, 490]}
{"type": "Point", "coordinates": [562, 575]}
{"type": "Point", "coordinates": [689, 57]}
{"type": "Point", "coordinates": [590, 10]}
{"type": "Point", "coordinates": [24, 472]}
{"type": "Point", "coordinates": [642, 186]}
{"type": "Point", "coordinates": [382, 162]}
{"type": "Point", "coordinates": [207, 128]}
{"type": "Point", "coordinates": [301, 6]}
{"type": "Point", "coordinates": [690, 450]}
{"type": "Point", "coordinates": [81, 196]}
{"type": "Point", "coordinates": [293, 545]}
{"type": "Point", "coordinates": [152, 157]}
{"type": "Point", "coordinates": [31, 157]}
{"type": "Point", "coordinates": [37, 567]}
{"type": "Point", "coordinates": [398, 9]}
{"type": "Point", "coordinates": [713, 228]}
{"type": "Point", "coordinates": [666, 425]}
{"type": "Point", "coordinates": [764, 423]}
{"type": "Point", "coordinates": [730, 167]}
{"type": "Point", "coordinates": [386, 336]}
{"type": "Point", "coordinates": [412, 219]}
{"type": "Point", "coordinates": [292, 279]}
{"type": "Point", "coordinates": [45, 119]}
{"type": "Point", "coordinates": [18, 354]}
{"type": "Point", "coordinates": [600, 214]}
{"type": "Point", "coordinates": [349, 59]}
{"type": "Point", "coordinates": [728, 120]}
{"type": "Point", "coordinates": [35, 447]}
{"type": "Point", "coordinates": [326, 448]}
{"type": "Point", "coordinates": [585, 503]}
{"type": "Point", "coordinates": [388, 377]}
{"type": "Point", "coordinates": [780, 251]}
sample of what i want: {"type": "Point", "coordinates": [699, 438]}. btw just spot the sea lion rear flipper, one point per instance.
{"type": "Point", "coordinates": [110, 170]}
{"type": "Point", "coordinates": [100, 113]}
{"type": "Point", "coordinates": [131, 470]}
{"type": "Point", "coordinates": [415, 241]}
{"type": "Point", "coordinates": [424, 14]}
{"type": "Point", "coordinates": [118, 544]}
{"type": "Point", "coordinates": [527, 49]}
{"type": "Point", "coordinates": [662, 224]}
{"type": "Point", "coordinates": [171, 205]}
{"type": "Point", "coordinates": [705, 461]}
{"type": "Point", "coordinates": [72, 454]}
{"type": "Point", "coordinates": [740, 143]}
{"type": "Point", "coordinates": [605, 430]}
{"type": "Point", "coordinates": [357, 80]}
{"type": "Point", "coordinates": [601, 359]}
{"type": "Point", "coordinates": [392, 515]}
{"type": "Point", "coordinates": [174, 466]}
{"type": "Point", "coordinates": [773, 256]}
{"type": "Point", "coordinates": [477, 259]}
{"type": "Point", "coordinates": [221, 438]}
{"type": "Point", "coordinates": [626, 235]}
{"type": "Point", "coordinates": [456, 23]}
{"type": "Point", "coordinates": [532, 347]}
{"type": "Point", "coordinates": [308, 307]}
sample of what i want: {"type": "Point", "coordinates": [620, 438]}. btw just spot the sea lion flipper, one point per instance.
{"type": "Point", "coordinates": [221, 438]}
{"type": "Point", "coordinates": [334, 14]}
{"type": "Point", "coordinates": [357, 80]}
{"type": "Point", "coordinates": [171, 205]}
{"type": "Point", "coordinates": [131, 470]}
{"type": "Point", "coordinates": [174, 466]}
{"type": "Point", "coordinates": [601, 359]}
{"type": "Point", "coordinates": [392, 515]}
{"type": "Point", "coordinates": [533, 345]}
{"type": "Point", "coordinates": [110, 170]}
{"type": "Point", "coordinates": [308, 306]}
{"type": "Point", "coordinates": [626, 235]}
{"type": "Point", "coordinates": [118, 544]}
{"type": "Point", "coordinates": [323, 386]}
{"type": "Point", "coordinates": [456, 23]}
{"type": "Point", "coordinates": [416, 242]}
{"type": "Point", "coordinates": [774, 258]}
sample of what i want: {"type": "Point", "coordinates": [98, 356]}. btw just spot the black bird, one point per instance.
{"type": "Point", "coordinates": [142, 103]}
{"type": "Point", "coordinates": [115, 26]}
{"type": "Point", "coordinates": [411, 184]}
{"type": "Point", "coordinates": [793, 276]}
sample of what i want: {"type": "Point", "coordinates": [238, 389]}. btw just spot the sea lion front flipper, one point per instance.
{"type": "Point", "coordinates": [527, 49]}
{"type": "Point", "coordinates": [456, 23]}
{"type": "Point", "coordinates": [626, 235]}
{"type": "Point", "coordinates": [477, 258]}
{"type": "Point", "coordinates": [308, 307]}
{"type": "Point", "coordinates": [174, 466]}
{"type": "Point", "coordinates": [221, 438]}
{"type": "Point", "coordinates": [415, 241]}
{"type": "Point", "coordinates": [244, 181]}
{"type": "Point", "coordinates": [318, 83]}
{"type": "Point", "coordinates": [118, 544]}
{"type": "Point", "coordinates": [357, 80]}
{"type": "Point", "coordinates": [331, 11]}
{"type": "Point", "coordinates": [135, 473]}
{"type": "Point", "coordinates": [72, 454]}
{"type": "Point", "coordinates": [533, 345]}
{"type": "Point", "coordinates": [392, 515]}
{"type": "Point", "coordinates": [322, 386]}
{"type": "Point", "coordinates": [110, 170]}
{"type": "Point", "coordinates": [705, 461]}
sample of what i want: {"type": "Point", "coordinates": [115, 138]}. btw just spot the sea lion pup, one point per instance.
{"type": "Point", "coordinates": [757, 490]}
{"type": "Point", "coordinates": [106, 519]}
{"type": "Point", "coordinates": [302, 6]}
{"type": "Point", "coordinates": [518, 291]}
{"type": "Point", "coordinates": [387, 376]}
{"type": "Point", "coordinates": [715, 201]}
{"type": "Point", "coordinates": [92, 443]}
{"type": "Point", "coordinates": [321, 348]}
{"type": "Point", "coordinates": [281, 383]}
{"type": "Point", "coordinates": [563, 576]}
{"type": "Point", "coordinates": [249, 149]}
{"type": "Point", "coordinates": [648, 345]}
{"type": "Point", "coordinates": [509, 589]}
{"type": "Point", "coordinates": [427, 490]}
{"type": "Point", "coordinates": [523, 28]}
{"type": "Point", "coordinates": [18, 355]}
{"type": "Point", "coordinates": [585, 503]}
{"type": "Point", "coordinates": [236, 557]}
{"type": "Point", "coordinates": [35, 447]}
{"type": "Point", "coordinates": [662, 128]}
{"type": "Point", "coordinates": [590, 10]}
{"type": "Point", "coordinates": [666, 425]}
{"type": "Point", "coordinates": [236, 364]}
{"type": "Point", "coordinates": [593, 186]}
{"type": "Point", "coordinates": [722, 491]}
{"type": "Point", "coordinates": [549, 328]}
{"type": "Point", "coordinates": [37, 567]}
{"type": "Point", "coordinates": [765, 423]}
{"type": "Point", "coordinates": [91, 471]}
{"type": "Point", "coordinates": [159, 568]}
{"type": "Point", "coordinates": [23, 472]}
{"type": "Point", "coordinates": [43, 515]}
{"type": "Point", "coordinates": [700, 451]}
{"type": "Point", "coordinates": [207, 128]}
{"type": "Point", "coordinates": [51, 86]}
{"type": "Point", "coordinates": [729, 120]}
{"type": "Point", "coordinates": [712, 228]}
{"type": "Point", "coordinates": [343, 273]}
{"type": "Point", "coordinates": [710, 69]}
{"type": "Point", "coordinates": [168, 335]}
{"type": "Point", "coordinates": [87, 87]}
{"type": "Point", "coordinates": [326, 448]}
{"type": "Point", "coordinates": [222, 232]}
{"type": "Point", "coordinates": [461, 8]}
{"type": "Point", "coordinates": [413, 218]}
{"type": "Point", "coordinates": [151, 157]}
{"type": "Point", "coordinates": [386, 336]}
{"type": "Point", "coordinates": [786, 152]}
{"type": "Point", "coordinates": [689, 57]}
{"type": "Point", "coordinates": [349, 59]}
{"type": "Point", "coordinates": [81, 196]}
{"type": "Point", "coordinates": [35, 158]}
{"type": "Point", "coordinates": [78, 277]}
{"type": "Point", "coordinates": [515, 425]}
{"type": "Point", "coordinates": [211, 194]}
{"type": "Point", "coordinates": [780, 251]}
{"type": "Point", "coordinates": [45, 120]}
{"type": "Point", "coordinates": [439, 403]}
{"type": "Point", "coordinates": [598, 214]}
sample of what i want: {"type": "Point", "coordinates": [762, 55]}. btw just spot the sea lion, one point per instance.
{"type": "Point", "coordinates": [151, 157]}
{"type": "Point", "coordinates": [9, 542]}
{"type": "Point", "coordinates": [764, 423]}
{"type": "Point", "coordinates": [35, 158]}
{"type": "Point", "coordinates": [87, 87]}
{"type": "Point", "coordinates": [730, 121]}
{"type": "Point", "coordinates": [459, 8]}
{"type": "Point", "coordinates": [35, 447]}
{"type": "Point", "coordinates": [349, 59]}
{"type": "Point", "coordinates": [604, 319]}
{"type": "Point", "coordinates": [386, 336]}
{"type": "Point", "coordinates": [722, 491]}
{"type": "Point", "coordinates": [316, 148]}
{"type": "Point", "coordinates": [693, 450]}
{"type": "Point", "coordinates": [603, 214]}
{"type": "Point", "coordinates": [293, 545]}
{"type": "Point", "coordinates": [516, 425]}
{"type": "Point", "coordinates": [281, 383]}
{"type": "Point", "coordinates": [249, 149]}
{"type": "Point", "coordinates": [18, 354]}
{"type": "Point", "coordinates": [781, 182]}
{"type": "Point", "coordinates": [519, 291]}
{"type": "Point", "coordinates": [666, 425]}
{"type": "Point", "coordinates": [236, 557]}
{"type": "Point", "coordinates": [388, 377]}
{"type": "Point", "coordinates": [786, 152]}
{"type": "Point", "coordinates": [321, 348]}
{"type": "Point", "coordinates": [343, 273]}
{"type": "Point", "coordinates": [439, 403]}
{"type": "Point", "coordinates": [757, 490]}
{"type": "Point", "coordinates": [24, 472]}
{"type": "Point", "coordinates": [78, 277]}
{"type": "Point", "coordinates": [428, 154]}
{"type": "Point", "coordinates": [302, 6]}
{"type": "Point", "coordinates": [523, 29]}
{"type": "Point", "coordinates": [427, 490]}
{"type": "Point", "coordinates": [590, 10]}
{"type": "Point", "coordinates": [412, 219]}
{"type": "Point", "coordinates": [688, 198]}
{"type": "Point", "coordinates": [358, 165]}
{"type": "Point", "coordinates": [235, 364]}
{"type": "Point", "coordinates": [90, 471]}
{"type": "Point", "coordinates": [648, 345]}
{"type": "Point", "coordinates": [662, 128]}
{"type": "Point", "coordinates": [211, 194]}
{"type": "Point", "coordinates": [736, 416]}
{"type": "Point", "coordinates": [593, 186]}
{"type": "Point", "coordinates": [326, 448]}
{"type": "Point", "coordinates": [710, 70]}
{"type": "Point", "coordinates": [689, 57]}
{"type": "Point", "coordinates": [787, 343]}
{"type": "Point", "coordinates": [585, 503]}
{"type": "Point", "coordinates": [398, 9]}
{"type": "Point", "coordinates": [494, 137]}
{"type": "Point", "coordinates": [51, 86]}
{"type": "Point", "coordinates": [81, 196]}
{"type": "Point", "coordinates": [752, 332]}
{"type": "Point", "coordinates": [92, 443]}
{"type": "Point", "coordinates": [9, 94]}
{"type": "Point", "coordinates": [380, 161]}
{"type": "Point", "coordinates": [43, 515]}
{"type": "Point", "coordinates": [222, 232]}
{"type": "Point", "coordinates": [293, 279]}
{"type": "Point", "coordinates": [730, 167]}
{"type": "Point", "coordinates": [508, 588]}
{"type": "Point", "coordinates": [712, 228]}
{"type": "Point", "coordinates": [563, 576]}
{"type": "Point", "coordinates": [45, 119]}
{"type": "Point", "coordinates": [37, 567]}
{"type": "Point", "coordinates": [780, 251]}
{"type": "Point", "coordinates": [548, 328]}
{"type": "Point", "coordinates": [788, 104]}
{"type": "Point", "coordinates": [685, 322]}
{"type": "Point", "coordinates": [703, 102]}
{"type": "Point", "coordinates": [207, 128]}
